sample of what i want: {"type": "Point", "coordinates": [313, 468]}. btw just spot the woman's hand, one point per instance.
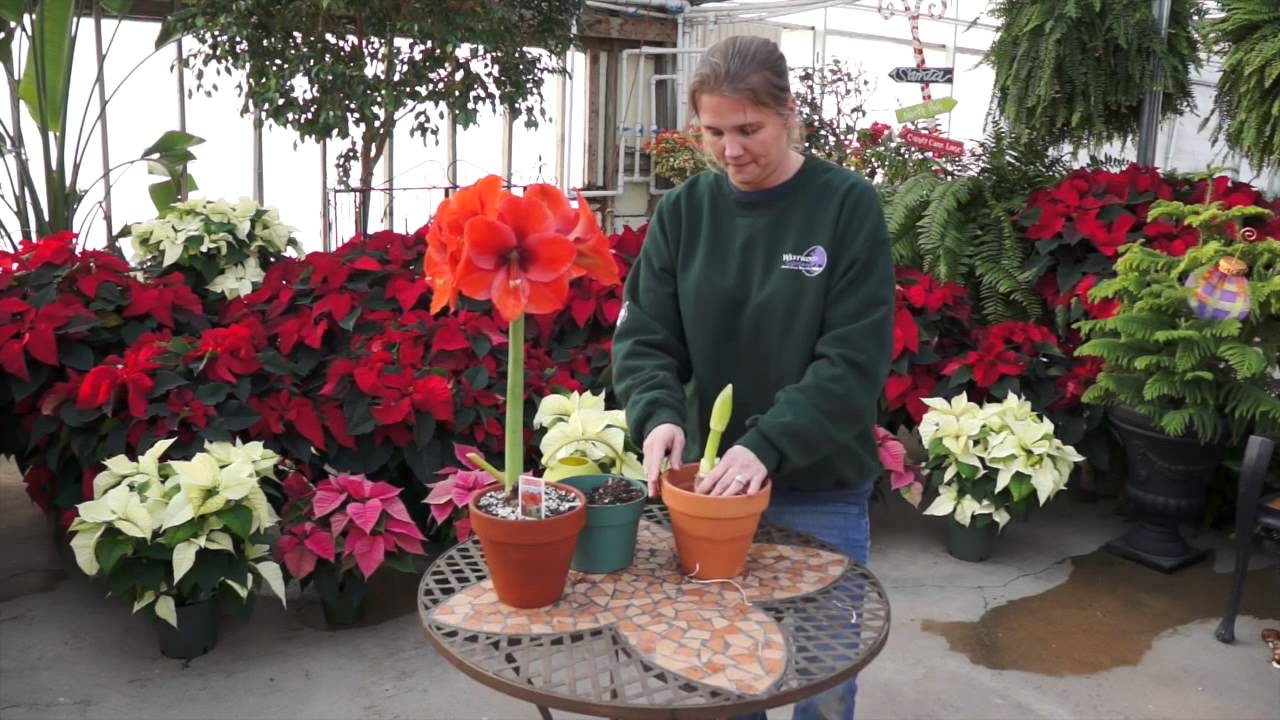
{"type": "Point", "coordinates": [740, 472]}
{"type": "Point", "coordinates": [664, 441]}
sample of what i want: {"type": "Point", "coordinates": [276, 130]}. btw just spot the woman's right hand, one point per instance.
{"type": "Point", "coordinates": [664, 441]}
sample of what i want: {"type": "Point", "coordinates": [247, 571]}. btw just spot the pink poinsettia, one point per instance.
{"type": "Point", "coordinates": [903, 477]}
{"type": "Point", "coordinates": [301, 546]}
{"type": "Point", "coordinates": [367, 522]}
{"type": "Point", "coordinates": [454, 493]}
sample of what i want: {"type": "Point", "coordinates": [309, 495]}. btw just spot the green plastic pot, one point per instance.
{"type": "Point", "coordinates": [608, 542]}
{"type": "Point", "coordinates": [971, 543]}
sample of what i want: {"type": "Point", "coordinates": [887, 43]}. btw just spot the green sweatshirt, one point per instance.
{"type": "Point", "coordinates": [788, 294]}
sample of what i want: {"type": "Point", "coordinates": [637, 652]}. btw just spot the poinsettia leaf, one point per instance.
{"type": "Point", "coordinates": [299, 447]}
{"type": "Point", "coordinates": [238, 519]}
{"type": "Point", "coordinates": [360, 420]}
{"type": "Point", "coordinates": [212, 394]}
{"type": "Point", "coordinates": [424, 460]}
{"type": "Point", "coordinates": [321, 543]}
{"type": "Point", "coordinates": [404, 527]}
{"type": "Point", "coordinates": [76, 417]}
{"type": "Point", "coordinates": [477, 376]}
{"type": "Point", "coordinates": [369, 553]}
{"type": "Point", "coordinates": [326, 500]}
{"type": "Point", "coordinates": [349, 322]}
{"type": "Point", "coordinates": [38, 375]}
{"type": "Point", "coordinates": [480, 344]}
{"type": "Point", "coordinates": [235, 416]}
{"type": "Point", "coordinates": [276, 363]}
{"type": "Point", "coordinates": [111, 547]}
{"type": "Point", "coordinates": [76, 355]}
{"type": "Point", "coordinates": [424, 428]}
{"type": "Point", "coordinates": [166, 380]}
{"type": "Point", "coordinates": [961, 376]}
{"type": "Point", "coordinates": [306, 358]}
{"type": "Point", "coordinates": [43, 426]}
{"type": "Point", "coordinates": [401, 563]}
{"type": "Point", "coordinates": [365, 515]}
{"type": "Point", "coordinates": [244, 389]}
{"type": "Point", "coordinates": [337, 523]}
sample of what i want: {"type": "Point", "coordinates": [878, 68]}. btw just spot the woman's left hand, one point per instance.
{"type": "Point", "coordinates": [740, 472]}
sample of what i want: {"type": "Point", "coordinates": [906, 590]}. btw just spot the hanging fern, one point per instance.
{"type": "Point", "coordinates": [1077, 70]}
{"type": "Point", "coordinates": [1247, 103]}
{"type": "Point", "coordinates": [961, 229]}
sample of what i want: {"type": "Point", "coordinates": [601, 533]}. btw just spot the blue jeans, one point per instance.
{"type": "Point", "coordinates": [839, 518]}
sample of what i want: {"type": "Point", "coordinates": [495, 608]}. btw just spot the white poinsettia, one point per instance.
{"type": "Point", "coordinates": [579, 425]}
{"type": "Point", "coordinates": [587, 433]}
{"type": "Point", "coordinates": [182, 499]}
{"type": "Point", "coordinates": [557, 407]}
{"type": "Point", "coordinates": [1006, 441]}
{"type": "Point", "coordinates": [962, 507]}
{"type": "Point", "coordinates": [956, 425]}
{"type": "Point", "coordinates": [120, 468]}
{"type": "Point", "coordinates": [238, 280]}
{"type": "Point", "coordinates": [206, 486]}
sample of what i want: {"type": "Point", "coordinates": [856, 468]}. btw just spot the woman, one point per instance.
{"type": "Point", "coordinates": [774, 274]}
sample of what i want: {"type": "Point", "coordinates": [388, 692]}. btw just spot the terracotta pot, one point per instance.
{"type": "Point", "coordinates": [528, 559]}
{"type": "Point", "coordinates": [713, 534]}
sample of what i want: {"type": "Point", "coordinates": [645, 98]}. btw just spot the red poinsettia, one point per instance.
{"type": "Point", "coordinates": [282, 407]}
{"type": "Point", "coordinates": [132, 372]}
{"type": "Point", "coordinates": [1004, 350]}
{"type": "Point", "coordinates": [227, 353]}
{"type": "Point", "coordinates": [25, 330]}
{"type": "Point", "coordinates": [909, 391]}
{"type": "Point", "coordinates": [1071, 386]}
{"type": "Point", "coordinates": [159, 297]}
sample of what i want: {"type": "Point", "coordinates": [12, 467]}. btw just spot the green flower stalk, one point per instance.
{"type": "Point", "coordinates": [515, 403]}
{"type": "Point", "coordinates": [721, 411]}
{"type": "Point", "coordinates": [514, 441]}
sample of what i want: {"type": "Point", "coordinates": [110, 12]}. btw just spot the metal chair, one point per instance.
{"type": "Point", "coordinates": [1253, 510]}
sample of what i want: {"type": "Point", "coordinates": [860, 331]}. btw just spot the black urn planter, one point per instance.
{"type": "Point", "coordinates": [1167, 483]}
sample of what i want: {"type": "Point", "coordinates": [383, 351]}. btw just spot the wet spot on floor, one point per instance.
{"type": "Point", "coordinates": [1106, 615]}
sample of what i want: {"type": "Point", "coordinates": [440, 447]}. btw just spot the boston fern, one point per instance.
{"type": "Point", "coordinates": [1076, 70]}
{"type": "Point", "coordinates": [1207, 378]}
{"type": "Point", "coordinates": [1248, 99]}
{"type": "Point", "coordinates": [960, 229]}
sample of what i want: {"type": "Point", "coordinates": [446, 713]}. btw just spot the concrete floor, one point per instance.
{"type": "Point", "coordinates": [1035, 632]}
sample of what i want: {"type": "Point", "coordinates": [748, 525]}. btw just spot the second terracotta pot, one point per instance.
{"type": "Point", "coordinates": [529, 559]}
{"type": "Point", "coordinates": [712, 534]}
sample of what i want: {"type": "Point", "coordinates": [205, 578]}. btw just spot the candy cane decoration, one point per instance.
{"type": "Point", "coordinates": [887, 11]}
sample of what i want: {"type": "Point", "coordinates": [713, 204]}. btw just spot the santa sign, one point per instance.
{"type": "Point", "coordinates": [936, 143]}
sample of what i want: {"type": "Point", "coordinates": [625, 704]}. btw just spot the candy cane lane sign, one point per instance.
{"type": "Point", "coordinates": [943, 75]}
{"type": "Point", "coordinates": [925, 141]}
{"type": "Point", "coordinates": [928, 109]}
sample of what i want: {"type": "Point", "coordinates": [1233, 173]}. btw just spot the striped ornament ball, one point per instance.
{"type": "Point", "coordinates": [1221, 291]}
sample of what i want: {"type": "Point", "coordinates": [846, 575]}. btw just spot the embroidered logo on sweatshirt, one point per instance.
{"type": "Point", "coordinates": [811, 262]}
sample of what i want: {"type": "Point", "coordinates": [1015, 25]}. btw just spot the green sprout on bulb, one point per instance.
{"type": "Point", "coordinates": [721, 411]}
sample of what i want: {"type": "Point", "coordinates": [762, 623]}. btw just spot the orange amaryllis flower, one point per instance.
{"type": "Point", "coordinates": [595, 258]}
{"type": "Point", "coordinates": [444, 239]}
{"type": "Point", "coordinates": [518, 261]}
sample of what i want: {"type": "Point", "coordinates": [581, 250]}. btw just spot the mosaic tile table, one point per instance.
{"type": "Point", "coordinates": [650, 643]}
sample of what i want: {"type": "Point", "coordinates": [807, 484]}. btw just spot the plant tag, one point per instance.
{"type": "Point", "coordinates": [532, 493]}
